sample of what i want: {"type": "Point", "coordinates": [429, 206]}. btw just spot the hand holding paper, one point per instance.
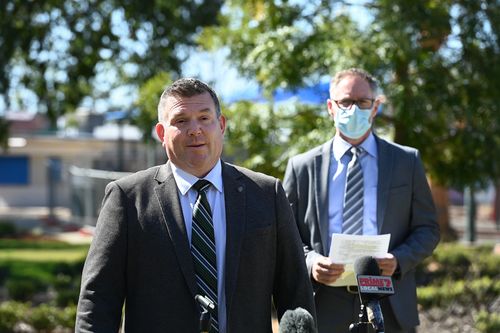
{"type": "Point", "coordinates": [387, 264]}
{"type": "Point", "coordinates": [346, 248]}
{"type": "Point", "coordinates": [324, 271]}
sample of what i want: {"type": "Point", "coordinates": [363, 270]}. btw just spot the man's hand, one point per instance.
{"type": "Point", "coordinates": [387, 265]}
{"type": "Point", "coordinates": [324, 271]}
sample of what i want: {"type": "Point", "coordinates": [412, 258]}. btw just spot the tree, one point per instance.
{"type": "Point", "coordinates": [52, 50]}
{"type": "Point", "coordinates": [263, 136]}
{"type": "Point", "coordinates": [147, 107]}
{"type": "Point", "coordinates": [147, 104]}
{"type": "Point", "coordinates": [4, 134]}
{"type": "Point", "coordinates": [437, 62]}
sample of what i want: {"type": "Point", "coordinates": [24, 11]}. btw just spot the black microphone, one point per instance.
{"type": "Point", "coordinates": [372, 287]}
{"type": "Point", "coordinates": [297, 321]}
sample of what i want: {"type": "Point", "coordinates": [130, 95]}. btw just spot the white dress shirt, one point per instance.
{"type": "Point", "coordinates": [215, 197]}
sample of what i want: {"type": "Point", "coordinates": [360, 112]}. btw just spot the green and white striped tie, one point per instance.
{"type": "Point", "coordinates": [203, 248]}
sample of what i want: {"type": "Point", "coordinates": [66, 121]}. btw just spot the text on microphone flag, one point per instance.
{"type": "Point", "coordinates": [375, 284]}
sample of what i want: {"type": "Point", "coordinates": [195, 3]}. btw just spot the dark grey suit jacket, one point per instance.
{"type": "Point", "coordinates": [141, 255]}
{"type": "Point", "coordinates": [405, 209]}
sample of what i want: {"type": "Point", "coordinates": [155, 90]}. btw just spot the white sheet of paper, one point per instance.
{"type": "Point", "coordinates": [345, 249]}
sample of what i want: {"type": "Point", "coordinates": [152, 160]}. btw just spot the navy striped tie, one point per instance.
{"type": "Point", "coordinates": [203, 248]}
{"type": "Point", "coordinates": [353, 200]}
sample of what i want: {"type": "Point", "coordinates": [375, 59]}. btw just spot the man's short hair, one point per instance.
{"type": "Point", "coordinates": [187, 87]}
{"type": "Point", "coordinates": [372, 81]}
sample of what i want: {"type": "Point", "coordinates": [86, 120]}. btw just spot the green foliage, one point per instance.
{"type": "Point", "coordinates": [10, 314]}
{"type": "Point", "coordinates": [67, 289]}
{"type": "Point", "coordinates": [458, 273]}
{"type": "Point", "coordinates": [262, 137]}
{"type": "Point", "coordinates": [438, 63]}
{"type": "Point", "coordinates": [66, 316]}
{"type": "Point", "coordinates": [4, 134]}
{"type": "Point", "coordinates": [474, 293]}
{"type": "Point", "coordinates": [37, 244]}
{"type": "Point", "coordinates": [462, 275]}
{"type": "Point", "coordinates": [22, 289]}
{"type": "Point", "coordinates": [456, 262]}
{"type": "Point", "coordinates": [282, 43]}
{"type": "Point", "coordinates": [24, 278]}
{"type": "Point", "coordinates": [147, 103]}
{"type": "Point", "coordinates": [7, 229]}
{"type": "Point", "coordinates": [488, 322]}
{"type": "Point", "coordinates": [42, 318]}
{"type": "Point", "coordinates": [59, 46]}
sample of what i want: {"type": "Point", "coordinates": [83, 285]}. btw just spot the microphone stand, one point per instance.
{"type": "Point", "coordinates": [362, 325]}
{"type": "Point", "coordinates": [205, 317]}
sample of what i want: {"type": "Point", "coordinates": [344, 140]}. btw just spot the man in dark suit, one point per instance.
{"type": "Point", "coordinates": [161, 238]}
{"type": "Point", "coordinates": [394, 198]}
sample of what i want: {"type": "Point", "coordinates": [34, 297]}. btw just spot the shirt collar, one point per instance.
{"type": "Point", "coordinates": [186, 180]}
{"type": "Point", "coordinates": [340, 146]}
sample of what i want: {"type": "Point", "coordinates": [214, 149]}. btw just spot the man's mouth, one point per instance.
{"type": "Point", "coordinates": [196, 145]}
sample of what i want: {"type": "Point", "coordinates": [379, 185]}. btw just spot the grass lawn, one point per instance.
{"type": "Point", "coordinates": [40, 251]}
{"type": "Point", "coordinates": [45, 255]}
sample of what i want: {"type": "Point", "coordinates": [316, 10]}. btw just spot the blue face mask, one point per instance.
{"type": "Point", "coordinates": [354, 122]}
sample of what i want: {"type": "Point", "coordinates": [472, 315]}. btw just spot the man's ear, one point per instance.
{"type": "Point", "coordinates": [160, 131]}
{"type": "Point", "coordinates": [331, 108]}
{"type": "Point", "coordinates": [222, 123]}
{"type": "Point", "coordinates": [374, 110]}
{"type": "Point", "coordinates": [378, 101]}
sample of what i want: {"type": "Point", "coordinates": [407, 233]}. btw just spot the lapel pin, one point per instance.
{"type": "Point", "coordinates": [240, 188]}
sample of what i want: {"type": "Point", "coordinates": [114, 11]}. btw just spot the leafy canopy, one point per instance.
{"type": "Point", "coordinates": [52, 50]}
{"type": "Point", "coordinates": [437, 62]}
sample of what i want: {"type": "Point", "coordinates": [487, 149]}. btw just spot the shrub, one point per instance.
{"type": "Point", "coordinates": [10, 314]}
{"type": "Point", "coordinates": [440, 295]}
{"type": "Point", "coordinates": [67, 289]}
{"type": "Point", "coordinates": [44, 318]}
{"type": "Point", "coordinates": [7, 229]}
{"type": "Point", "coordinates": [67, 317]}
{"type": "Point", "coordinates": [453, 261]}
{"type": "Point", "coordinates": [488, 322]}
{"type": "Point", "coordinates": [21, 289]}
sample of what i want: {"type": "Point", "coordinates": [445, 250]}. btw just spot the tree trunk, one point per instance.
{"type": "Point", "coordinates": [496, 206]}
{"type": "Point", "coordinates": [441, 200]}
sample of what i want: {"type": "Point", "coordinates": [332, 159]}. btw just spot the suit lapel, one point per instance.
{"type": "Point", "coordinates": [322, 169]}
{"type": "Point", "coordinates": [385, 165]}
{"type": "Point", "coordinates": [171, 213]}
{"type": "Point", "coordinates": [235, 201]}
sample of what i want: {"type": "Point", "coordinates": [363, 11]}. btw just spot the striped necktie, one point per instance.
{"type": "Point", "coordinates": [203, 248]}
{"type": "Point", "coordinates": [353, 200]}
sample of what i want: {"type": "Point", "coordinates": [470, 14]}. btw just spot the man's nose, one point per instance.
{"type": "Point", "coordinates": [194, 128]}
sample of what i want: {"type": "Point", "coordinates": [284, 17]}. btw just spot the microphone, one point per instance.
{"type": "Point", "coordinates": [297, 321]}
{"type": "Point", "coordinates": [205, 302]}
{"type": "Point", "coordinates": [208, 307]}
{"type": "Point", "coordinates": [372, 287]}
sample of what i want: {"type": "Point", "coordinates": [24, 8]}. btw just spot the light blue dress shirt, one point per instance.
{"type": "Point", "coordinates": [337, 183]}
{"type": "Point", "coordinates": [215, 196]}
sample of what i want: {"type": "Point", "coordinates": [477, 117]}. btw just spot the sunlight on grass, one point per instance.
{"type": "Point", "coordinates": [66, 255]}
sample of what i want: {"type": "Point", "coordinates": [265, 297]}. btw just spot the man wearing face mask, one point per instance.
{"type": "Point", "coordinates": [358, 183]}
